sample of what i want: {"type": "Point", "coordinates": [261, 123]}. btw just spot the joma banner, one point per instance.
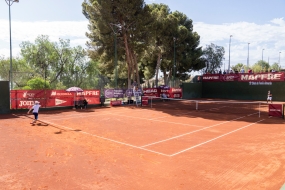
{"type": "Point", "coordinates": [23, 99]}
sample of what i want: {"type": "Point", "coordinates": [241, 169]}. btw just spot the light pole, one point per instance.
{"type": "Point", "coordinates": [174, 60]}
{"type": "Point", "coordinates": [279, 61]}
{"type": "Point", "coordinates": [248, 55]}
{"type": "Point", "coordinates": [10, 3]}
{"type": "Point", "coordinates": [115, 52]}
{"type": "Point", "coordinates": [230, 54]}
{"type": "Point", "coordinates": [262, 54]}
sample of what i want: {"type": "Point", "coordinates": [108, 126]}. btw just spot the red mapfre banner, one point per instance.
{"type": "Point", "coordinates": [244, 77]}
{"type": "Point", "coordinates": [51, 98]}
{"type": "Point", "coordinates": [275, 110]}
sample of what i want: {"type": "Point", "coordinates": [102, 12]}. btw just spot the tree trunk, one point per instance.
{"type": "Point", "coordinates": [158, 62]}
{"type": "Point", "coordinates": [129, 61]}
{"type": "Point", "coordinates": [136, 68]}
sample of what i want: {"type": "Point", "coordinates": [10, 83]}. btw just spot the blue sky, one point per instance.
{"type": "Point", "coordinates": [258, 22]}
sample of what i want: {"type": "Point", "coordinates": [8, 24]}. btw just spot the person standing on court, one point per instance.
{"type": "Point", "coordinates": [269, 96]}
{"type": "Point", "coordinates": [35, 109]}
{"type": "Point", "coordinates": [85, 103]}
{"type": "Point", "coordinates": [135, 86]}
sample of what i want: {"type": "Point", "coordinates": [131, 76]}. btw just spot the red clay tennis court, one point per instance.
{"type": "Point", "coordinates": [170, 145]}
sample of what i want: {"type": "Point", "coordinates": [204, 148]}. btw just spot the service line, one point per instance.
{"type": "Point", "coordinates": [195, 131]}
{"type": "Point", "coordinates": [215, 138]}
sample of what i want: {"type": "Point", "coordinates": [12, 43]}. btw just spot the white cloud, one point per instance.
{"type": "Point", "coordinates": [269, 36]}
{"type": "Point", "coordinates": [29, 31]}
{"type": "Point", "coordinates": [278, 21]}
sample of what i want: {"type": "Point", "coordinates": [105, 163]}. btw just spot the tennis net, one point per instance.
{"type": "Point", "coordinates": [224, 107]}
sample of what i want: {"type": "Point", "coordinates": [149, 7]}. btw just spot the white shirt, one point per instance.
{"type": "Point", "coordinates": [36, 108]}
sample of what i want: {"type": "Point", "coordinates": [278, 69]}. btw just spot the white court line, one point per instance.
{"type": "Point", "coordinates": [156, 120]}
{"type": "Point", "coordinates": [86, 133]}
{"type": "Point", "coordinates": [175, 137]}
{"type": "Point", "coordinates": [73, 116]}
{"type": "Point", "coordinates": [86, 114]}
{"type": "Point", "coordinates": [215, 138]}
{"type": "Point", "coordinates": [159, 153]}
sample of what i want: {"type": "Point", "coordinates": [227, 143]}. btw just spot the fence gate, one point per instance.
{"type": "Point", "coordinates": [4, 97]}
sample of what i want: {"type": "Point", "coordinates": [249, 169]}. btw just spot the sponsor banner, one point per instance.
{"type": "Point", "coordinates": [262, 77]}
{"type": "Point", "coordinates": [116, 103]}
{"type": "Point", "coordinates": [152, 92]}
{"type": "Point", "coordinates": [28, 94]}
{"type": "Point", "coordinates": [26, 103]}
{"type": "Point", "coordinates": [119, 93]}
{"type": "Point", "coordinates": [144, 100]}
{"type": "Point", "coordinates": [244, 77]}
{"type": "Point", "coordinates": [89, 93]}
{"type": "Point", "coordinates": [230, 77]}
{"type": "Point", "coordinates": [175, 95]}
{"type": "Point", "coordinates": [24, 99]}
{"type": "Point", "coordinates": [129, 93]}
{"type": "Point", "coordinates": [22, 103]}
{"type": "Point", "coordinates": [211, 78]}
{"type": "Point", "coordinates": [275, 110]}
{"type": "Point", "coordinates": [157, 92]}
{"type": "Point", "coordinates": [172, 93]}
{"type": "Point", "coordinates": [63, 93]}
{"type": "Point", "coordinates": [114, 93]}
{"type": "Point", "coordinates": [60, 93]}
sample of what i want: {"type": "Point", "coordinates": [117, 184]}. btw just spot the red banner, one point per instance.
{"type": "Point", "coordinates": [151, 92]}
{"type": "Point", "coordinates": [275, 110]}
{"type": "Point", "coordinates": [244, 77]}
{"type": "Point", "coordinates": [157, 92]}
{"type": "Point", "coordinates": [175, 93]}
{"type": "Point", "coordinates": [116, 103]}
{"type": "Point", "coordinates": [144, 100]}
{"type": "Point", "coordinates": [265, 77]}
{"type": "Point", "coordinates": [51, 98]}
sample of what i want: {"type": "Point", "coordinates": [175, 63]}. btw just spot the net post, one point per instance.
{"type": "Point", "coordinates": [196, 105]}
{"type": "Point", "coordinates": [150, 101]}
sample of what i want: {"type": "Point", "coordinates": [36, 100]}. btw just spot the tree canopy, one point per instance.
{"type": "Point", "coordinates": [145, 38]}
{"type": "Point", "coordinates": [214, 56]}
{"type": "Point", "coordinates": [57, 63]}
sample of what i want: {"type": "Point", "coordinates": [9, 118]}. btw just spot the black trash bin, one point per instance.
{"type": "Point", "coordinates": [102, 100]}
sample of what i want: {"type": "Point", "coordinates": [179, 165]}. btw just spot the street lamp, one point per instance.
{"type": "Point", "coordinates": [174, 62]}
{"type": "Point", "coordinates": [230, 54]}
{"type": "Point", "coordinates": [115, 50]}
{"type": "Point", "coordinates": [248, 55]}
{"type": "Point", "coordinates": [262, 55]}
{"type": "Point", "coordinates": [10, 3]}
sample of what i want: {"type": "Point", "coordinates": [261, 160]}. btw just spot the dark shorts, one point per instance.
{"type": "Point", "coordinates": [36, 115]}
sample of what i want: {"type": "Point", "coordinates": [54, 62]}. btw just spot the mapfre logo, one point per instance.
{"type": "Point", "coordinates": [89, 93]}
{"type": "Point", "coordinates": [28, 95]}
